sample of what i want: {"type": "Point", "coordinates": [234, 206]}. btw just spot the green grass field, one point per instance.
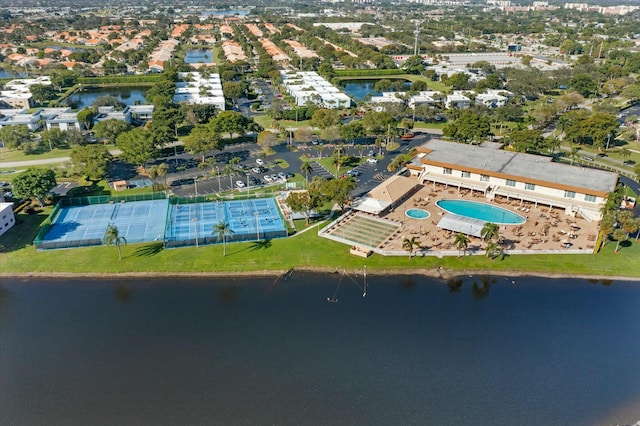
{"type": "Point", "coordinates": [304, 251]}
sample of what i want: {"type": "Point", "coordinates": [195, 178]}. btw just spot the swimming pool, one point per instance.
{"type": "Point", "coordinates": [481, 211]}
{"type": "Point", "coordinates": [417, 213]}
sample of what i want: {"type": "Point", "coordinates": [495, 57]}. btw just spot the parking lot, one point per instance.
{"type": "Point", "coordinates": [187, 179]}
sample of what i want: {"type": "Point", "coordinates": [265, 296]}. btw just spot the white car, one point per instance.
{"type": "Point", "coordinates": [259, 161]}
{"type": "Point", "coordinates": [267, 178]}
{"type": "Point", "coordinates": [240, 184]}
{"type": "Point", "coordinates": [372, 160]}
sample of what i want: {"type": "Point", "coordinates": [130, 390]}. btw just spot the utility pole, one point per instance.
{"type": "Point", "coordinates": [415, 43]}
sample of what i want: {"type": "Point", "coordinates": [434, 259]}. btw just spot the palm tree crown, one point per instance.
{"type": "Point", "coordinates": [223, 230]}
{"type": "Point", "coordinates": [490, 231]}
{"type": "Point", "coordinates": [112, 236]}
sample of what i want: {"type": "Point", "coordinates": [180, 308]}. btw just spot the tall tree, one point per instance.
{"type": "Point", "coordinates": [91, 160]}
{"type": "Point", "coordinates": [109, 130]}
{"type": "Point", "coordinates": [15, 137]}
{"type": "Point", "coordinates": [410, 244]}
{"type": "Point", "coordinates": [137, 146]}
{"type": "Point", "coordinates": [86, 116]}
{"type": "Point", "coordinates": [34, 183]}
{"type": "Point", "coordinates": [306, 169]}
{"type": "Point", "coordinates": [461, 241]}
{"type": "Point", "coordinates": [303, 202]}
{"type": "Point", "coordinates": [223, 231]}
{"type": "Point", "coordinates": [112, 236]}
{"type": "Point", "coordinates": [490, 231]}
{"type": "Point", "coordinates": [202, 139]}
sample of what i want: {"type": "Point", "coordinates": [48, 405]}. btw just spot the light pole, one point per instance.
{"type": "Point", "coordinates": [218, 173]}
{"type": "Point", "coordinates": [195, 220]}
{"type": "Point", "coordinates": [195, 183]}
{"type": "Point", "coordinates": [257, 225]}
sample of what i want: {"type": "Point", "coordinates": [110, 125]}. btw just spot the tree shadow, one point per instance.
{"type": "Point", "coordinates": [149, 250]}
{"type": "Point", "coordinates": [123, 293]}
{"type": "Point", "coordinates": [454, 284]}
{"type": "Point", "coordinates": [482, 290]}
{"type": "Point", "coordinates": [407, 283]}
{"type": "Point", "coordinates": [260, 245]}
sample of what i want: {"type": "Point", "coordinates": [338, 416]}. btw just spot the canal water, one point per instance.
{"type": "Point", "coordinates": [243, 351]}
{"type": "Point", "coordinates": [131, 95]}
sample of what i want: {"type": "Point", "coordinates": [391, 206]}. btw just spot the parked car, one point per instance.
{"type": "Point", "coordinates": [586, 157]}
{"type": "Point", "coordinates": [259, 161]}
{"type": "Point", "coordinates": [274, 177]}
{"type": "Point", "coordinates": [372, 160]}
{"type": "Point", "coordinates": [255, 170]}
{"type": "Point", "coordinates": [3, 184]}
{"type": "Point", "coordinates": [267, 178]}
{"type": "Point", "coordinates": [281, 175]}
{"type": "Point", "coordinates": [289, 175]}
{"type": "Point", "coordinates": [372, 153]}
{"type": "Point", "coordinates": [240, 184]}
{"type": "Point", "coordinates": [353, 173]}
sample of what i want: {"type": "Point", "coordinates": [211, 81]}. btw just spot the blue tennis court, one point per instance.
{"type": "Point", "coordinates": [137, 221]}
{"type": "Point", "coordinates": [248, 219]}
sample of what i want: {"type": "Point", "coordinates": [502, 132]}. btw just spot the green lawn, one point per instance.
{"type": "Point", "coordinates": [305, 251]}
{"type": "Point", "coordinates": [17, 155]}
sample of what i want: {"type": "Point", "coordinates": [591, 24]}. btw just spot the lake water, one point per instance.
{"type": "Point", "coordinates": [253, 351]}
{"type": "Point", "coordinates": [359, 89]}
{"type": "Point", "coordinates": [226, 12]}
{"type": "Point", "coordinates": [196, 56]}
{"type": "Point", "coordinates": [8, 74]}
{"type": "Point", "coordinates": [128, 95]}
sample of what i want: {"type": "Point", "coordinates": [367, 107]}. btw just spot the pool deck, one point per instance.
{"type": "Point", "coordinates": [545, 230]}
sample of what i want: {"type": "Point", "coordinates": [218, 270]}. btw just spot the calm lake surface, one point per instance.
{"type": "Point", "coordinates": [250, 351]}
{"type": "Point", "coordinates": [127, 95]}
{"type": "Point", "coordinates": [359, 89]}
{"type": "Point", "coordinates": [195, 56]}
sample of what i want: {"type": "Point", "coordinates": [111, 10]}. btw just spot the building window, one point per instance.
{"type": "Point", "coordinates": [466, 174]}
{"type": "Point", "coordinates": [484, 178]}
{"type": "Point", "coordinates": [569, 194]}
{"type": "Point", "coordinates": [446, 171]}
{"type": "Point", "coordinates": [529, 187]}
{"type": "Point", "coordinates": [590, 198]}
{"type": "Point", "coordinates": [511, 182]}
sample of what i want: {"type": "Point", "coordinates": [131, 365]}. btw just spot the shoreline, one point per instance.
{"type": "Point", "coordinates": [438, 273]}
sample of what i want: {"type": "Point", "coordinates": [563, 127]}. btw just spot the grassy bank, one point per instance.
{"type": "Point", "coordinates": [304, 251]}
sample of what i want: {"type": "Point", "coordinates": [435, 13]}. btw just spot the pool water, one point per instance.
{"type": "Point", "coordinates": [481, 211]}
{"type": "Point", "coordinates": [417, 213]}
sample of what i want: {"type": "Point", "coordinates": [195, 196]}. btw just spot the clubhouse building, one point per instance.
{"type": "Point", "coordinates": [493, 172]}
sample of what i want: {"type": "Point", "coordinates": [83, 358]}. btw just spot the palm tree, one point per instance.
{"type": "Point", "coordinates": [338, 162]}
{"type": "Point", "coordinates": [223, 230]}
{"type": "Point", "coordinates": [619, 235]}
{"type": "Point", "coordinates": [306, 169]}
{"type": "Point", "coordinates": [490, 231]}
{"type": "Point", "coordinates": [410, 244]}
{"type": "Point", "coordinates": [494, 250]}
{"type": "Point", "coordinates": [461, 242]}
{"type": "Point", "coordinates": [112, 236]}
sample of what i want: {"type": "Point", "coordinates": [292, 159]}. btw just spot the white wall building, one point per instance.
{"type": "Point", "coordinates": [7, 219]}
{"type": "Point", "coordinates": [196, 89]}
{"type": "Point", "coordinates": [378, 102]}
{"type": "Point", "coordinates": [457, 100]}
{"type": "Point", "coordinates": [308, 86]}
{"type": "Point", "coordinates": [494, 98]}
{"type": "Point", "coordinates": [31, 120]}
{"type": "Point", "coordinates": [519, 176]}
